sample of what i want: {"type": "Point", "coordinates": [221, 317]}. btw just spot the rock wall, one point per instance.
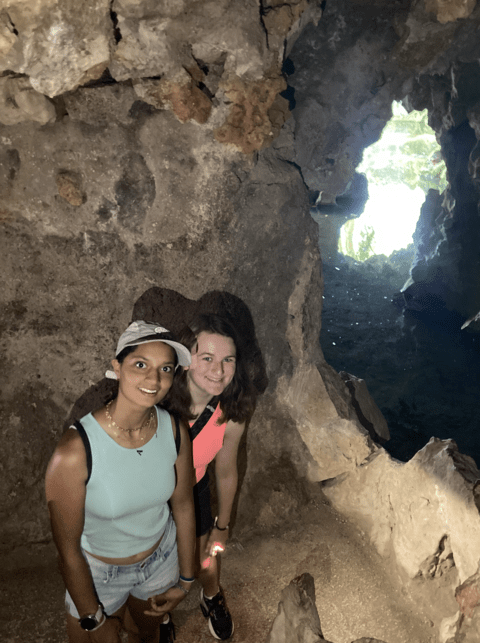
{"type": "Point", "coordinates": [153, 172]}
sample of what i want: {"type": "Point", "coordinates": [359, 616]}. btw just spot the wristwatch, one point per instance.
{"type": "Point", "coordinates": [92, 621]}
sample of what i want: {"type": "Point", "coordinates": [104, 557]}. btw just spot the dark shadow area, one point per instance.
{"type": "Point", "coordinates": [174, 311]}
{"type": "Point", "coordinates": [422, 370]}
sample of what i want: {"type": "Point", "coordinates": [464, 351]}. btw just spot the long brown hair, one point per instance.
{"type": "Point", "coordinates": [239, 398]}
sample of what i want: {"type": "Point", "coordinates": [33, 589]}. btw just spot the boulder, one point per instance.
{"type": "Point", "coordinates": [297, 620]}
{"type": "Point", "coordinates": [58, 45]}
{"type": "Point", "coordinates": [369, 414]}
{"type": "Point", "coordinates": [424, 511]}
{"type": "Point", "coordinates": [336, 443]}
{"type": "Point", "coordinates": [19, 102]}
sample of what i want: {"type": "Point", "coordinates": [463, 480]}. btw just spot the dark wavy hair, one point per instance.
{"type": "Point", "coordinates": [238, 400]}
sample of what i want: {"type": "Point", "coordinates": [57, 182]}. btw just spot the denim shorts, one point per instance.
{"type": "Point", "coordinates": [115, 583]}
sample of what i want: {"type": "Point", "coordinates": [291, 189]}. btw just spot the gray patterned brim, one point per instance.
{"type": "Point", "coordinates": [140, 332]}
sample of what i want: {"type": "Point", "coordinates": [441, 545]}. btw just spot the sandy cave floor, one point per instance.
{"type": "Point", "coordinates": [355, 597]}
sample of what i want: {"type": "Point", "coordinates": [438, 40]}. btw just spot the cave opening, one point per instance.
{"type": "Point", "coordinates": [404, 333]}
{"type": "Point", "coordinates": [400, 168]}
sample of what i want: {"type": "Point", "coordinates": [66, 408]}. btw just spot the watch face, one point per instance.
{"type": "Point", "coordinates": [88, 623]}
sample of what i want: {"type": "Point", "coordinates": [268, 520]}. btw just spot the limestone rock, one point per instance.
{"type": "Point", "coordinates": [101, 106]}
{"type": "Point", "coordinates": [161, 42]}
{"type": "Point", "coordinates": [181, 94]}
{"type": "Point", "coordinates": [70, 187]}
{"type": "Point", "coordinates": [58, 45]}
{"type": "Point", "coordinates": [336, 444]}
{"type": "Point", "coordinates": [7, 33]}
{"type": "Point", "coordinates": [256, 113]}
{"type": "Point", "coordinates": [424, 511]}
{"type": "Point", "coordinates": [284, 21]}
{"type": "Point", "coordinates": [327, 59]}
{"type": "Point", "coordinates": [297, 620]}
{"type": "Point", "coordinates": [368, 412]}
{"type": "Point", "coordinates": [423, 38]}
{"type": "Point", "coordinates": [450, 10]}
{"type": "Point", "coordinates": [468, 596]}
{"type": "Point", "coordinates": [19, 102]}
{"type": "Point", "coordinates": [464, 627]}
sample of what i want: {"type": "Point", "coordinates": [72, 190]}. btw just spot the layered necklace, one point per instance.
{"type": "Point", "coordinates": [147, 424]}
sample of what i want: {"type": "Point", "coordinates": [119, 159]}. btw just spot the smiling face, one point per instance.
{"type": "Point", "coordinates": [146, 374]}
{"type": "Point", "coordinates": [213, 365]}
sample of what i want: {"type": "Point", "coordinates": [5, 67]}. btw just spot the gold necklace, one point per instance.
{"type": "Point", "coordinates": [147, 424]}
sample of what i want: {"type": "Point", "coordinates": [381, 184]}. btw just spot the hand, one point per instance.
{"type": "Point", "coordinates": [166, 602]}
{"type": "Point", "coordinates": [216, 542]}
{"type": "Point", "coordinates": [109, 632]}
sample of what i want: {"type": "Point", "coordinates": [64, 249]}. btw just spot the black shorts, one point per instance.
{"type": "Point", "coordinates": [203, 511]}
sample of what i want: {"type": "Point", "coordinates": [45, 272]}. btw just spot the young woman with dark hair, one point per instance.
{"type": "Point", "coordinates": [112, 485]}
{"type": "Point", "coordinates": [220, 398]}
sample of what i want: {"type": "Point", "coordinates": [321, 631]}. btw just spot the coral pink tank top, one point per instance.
{"type": "Point", "coordinates": [208, 443]}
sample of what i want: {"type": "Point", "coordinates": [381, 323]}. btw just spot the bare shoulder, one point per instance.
{"type": "Point", "coordinates": [234, 428]}
{"type": "Point", "coordinates": [69, 456]}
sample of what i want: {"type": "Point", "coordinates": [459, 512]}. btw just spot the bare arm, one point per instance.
{"type": "Point", "coordinates": [226, 475]}
{"type": "Point", "coordinates": [65, 492]}
{"type": "Point", "coordinates": [182, 506]}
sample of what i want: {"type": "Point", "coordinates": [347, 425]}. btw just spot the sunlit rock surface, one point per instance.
{"type": "Point", "coordinates": [424, 511]}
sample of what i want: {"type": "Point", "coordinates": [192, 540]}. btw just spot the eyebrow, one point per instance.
{"type": "Point", "coordinates": [146, 359]}
{"type": "Point", "coordinates": [213, 354]}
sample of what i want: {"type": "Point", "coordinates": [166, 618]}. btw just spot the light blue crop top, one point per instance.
{"type": "Point", "coordinates": [126, 508]}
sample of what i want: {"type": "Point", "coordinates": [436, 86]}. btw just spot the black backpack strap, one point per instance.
{"type": "Point", "coordinates": [203, 418]}
{"type": "Point", "coordinates": [178, 437]}
{"type": "Point", "coordinates": [86, 443]}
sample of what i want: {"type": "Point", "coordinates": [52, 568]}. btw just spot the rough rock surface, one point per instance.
{"type": "Point", "coordinates": [297, 620]}
{"type": "Point", "coordinates": [19, 102]}
{"type": "Point", "coordinates": [368, 412]}
{"type": "Point", "coordinates": [465, 626]}
{"type": "Point", "coordinates": [424, 513]}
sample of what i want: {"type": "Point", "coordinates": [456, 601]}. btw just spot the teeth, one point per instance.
{"type": "Point", "coordinates": [146, 390]}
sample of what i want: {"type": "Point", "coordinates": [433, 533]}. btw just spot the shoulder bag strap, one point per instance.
{"type": "Point", "coordinates": [203, 418]}
{"type": "Point", "coordinates": [86, 443]}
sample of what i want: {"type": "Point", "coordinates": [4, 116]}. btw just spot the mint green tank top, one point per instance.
{"type": "Point", "coordinates": [126, 508]}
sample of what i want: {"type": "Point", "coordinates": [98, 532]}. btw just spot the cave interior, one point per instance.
{"type": "Point", "coordinates": [212, 146]}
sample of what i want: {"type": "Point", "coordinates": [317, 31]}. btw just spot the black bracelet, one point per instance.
{"type": "Point", "coordinates": [215, 525]}
{"type": "Point", "coordinates": [187, 580]}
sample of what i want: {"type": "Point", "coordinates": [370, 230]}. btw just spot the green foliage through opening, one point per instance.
{"type": "Point", "coordinates": [406, 154]}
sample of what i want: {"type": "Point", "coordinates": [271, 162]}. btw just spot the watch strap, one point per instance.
{"type": "Point", "coordinates": [98, 618]}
